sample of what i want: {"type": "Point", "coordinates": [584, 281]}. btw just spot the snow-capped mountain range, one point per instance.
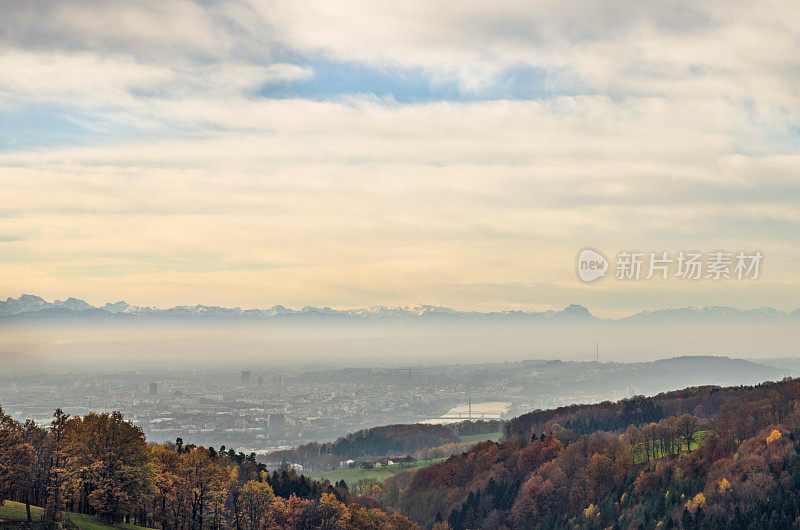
{"type": "Point", "coordinates": [34, 307]}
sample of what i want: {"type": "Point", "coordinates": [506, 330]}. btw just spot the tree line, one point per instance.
{"type": "Point", "coordinates": [369, 444]}
{"type": "Point", "coordinates": [101, 464]}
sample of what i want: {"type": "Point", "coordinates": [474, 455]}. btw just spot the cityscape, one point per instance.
{"type": "Point", "coordinates": [261, 409]}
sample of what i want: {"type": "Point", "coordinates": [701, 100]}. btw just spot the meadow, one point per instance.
{"type": "Point", "coordinates": [12, 515]}
{"type": "Point", "coordinates": [493, 436]}
{"type": "Point", "coordinates": [379, 474]}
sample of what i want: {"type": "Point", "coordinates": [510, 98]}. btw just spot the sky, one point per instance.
{"type": "Point", "coordinates": [354, 153]}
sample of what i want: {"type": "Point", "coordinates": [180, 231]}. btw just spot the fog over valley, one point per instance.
{"type": "Point", "coordinates": [36, 334]}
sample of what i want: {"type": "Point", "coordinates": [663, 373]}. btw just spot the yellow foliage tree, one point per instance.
{"type": "Point", "coordinates": [256, 500]}
{"type": "Point", "coordinates": [332, 513]}
{"type": "Point", "coordinates": [774, 436]}
{"type": "Point", "coordinates": [698, 501]}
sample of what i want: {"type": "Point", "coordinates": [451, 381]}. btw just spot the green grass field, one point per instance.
{"type": "Point", "coordinates": [639, 450]}
{"type": "Point", "coordinates": [379, 474]}
{"type": "Point", "coordinates": [493, 436]}
{"type": "Point", "coordinates": [12, 515]}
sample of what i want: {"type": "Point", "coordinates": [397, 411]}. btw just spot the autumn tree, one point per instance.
{"type": "Point", "coordinates": [39, 440]}
{"type": "Point", "coordinates": [57, 472]}
{"type": "Point", "coordinates": [331, 512]}
{"type": "Point", "coordinates": [686, 428]}
{"type": "Point", "coordinates": [636, 440]}
{"type": "Point", "coordinates": [167, 503]}
{"type": "Point", "coordinates": [107, 461]}
{"type": "Point", "coordinates": [16, 461]}
{"type": "Point", "coordinates": [205, 480]}
{"type": "Point", "coordinates": [256, 499]}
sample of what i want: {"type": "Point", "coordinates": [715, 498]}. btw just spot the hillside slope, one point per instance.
{"type": "Point", "coordinates": [13, 515]}
{"type": "Point", "coordinates": [703, 457]}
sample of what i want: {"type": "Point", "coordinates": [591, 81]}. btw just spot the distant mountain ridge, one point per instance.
{"type": "Point", "coordinates": [34, 307]}
{"type": "Point", "coordinates": [715, 312]}
{"type": "Point", "coordinates": [30, 306]}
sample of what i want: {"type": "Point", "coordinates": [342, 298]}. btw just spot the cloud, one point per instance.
{"type": "Point", "coordinates": [148, 30]}
{"type": "Point", "coordinates": [651, 126]}
{"type": "Point", "coordinates": [711, 49]}
{"type": "Point", "coordinates": [91, 81]}
{"type": "Point", "coordinates": [82, 78]}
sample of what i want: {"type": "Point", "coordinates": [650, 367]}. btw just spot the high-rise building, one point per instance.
{"type": "Point", "coordinates": [246, 377]}
{"type": "Point", "coordinates": [153, 389]}
{"type": "Point", "coordinates": [260, 382]}
{"type": "Point", "coordinates": [277, 423]}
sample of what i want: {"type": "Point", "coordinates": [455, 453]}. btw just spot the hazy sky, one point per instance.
{"type": "Point", "coordinates": [351, 153]}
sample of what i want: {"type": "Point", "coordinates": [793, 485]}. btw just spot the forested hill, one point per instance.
{"type": "Point", "coordinates": [376, 442]}
{"type": "Point", "coordinates": [704, 457]}
{"type": "Point", "coordinates": [101, 465]}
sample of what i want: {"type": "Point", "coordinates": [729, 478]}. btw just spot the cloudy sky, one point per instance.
{"type": "Point", "coordinates": [353, 153]}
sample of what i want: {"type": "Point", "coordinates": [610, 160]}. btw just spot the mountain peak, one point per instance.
{"type": "Point", "coordinates": [576, 309]}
